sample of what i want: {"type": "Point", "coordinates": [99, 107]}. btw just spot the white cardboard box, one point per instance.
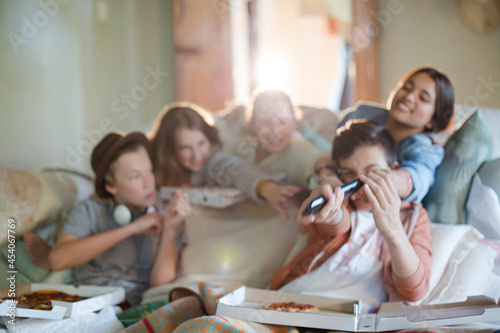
{"type": "Point", "coordinates": [340, 314]}
{"type": "Point", "coordinates": [206, 196]}
{"type": "Point", "coordinates": [98, 297]}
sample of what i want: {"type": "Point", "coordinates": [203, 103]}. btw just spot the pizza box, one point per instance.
{"type": "Point", "coordinates": [98, 298]}
{"type": "Point", "coordinates": [206, 196]}
{"type": "Point", "coordinates": [343, 314]}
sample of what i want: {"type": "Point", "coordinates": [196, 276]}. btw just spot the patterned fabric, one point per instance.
{"type": "Point", "coordinates": [229, 325]}
{"type": "Point", "coordinates": [168, 317]}
{"type": "Point", "coordinates": [33, 199]}
{"type": "Point", "coordinates": [188, 310]}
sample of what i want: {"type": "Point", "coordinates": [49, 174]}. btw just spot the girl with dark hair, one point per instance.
{"type": "Point", "coordinates": [422, 103]}
{"type": "Point", "coordinates": [186, 151]}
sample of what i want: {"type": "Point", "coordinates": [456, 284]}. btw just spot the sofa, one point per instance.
{"type": "Point", "coordinates": [246, 243]}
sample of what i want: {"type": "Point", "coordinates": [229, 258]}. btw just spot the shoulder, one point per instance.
{"type": "Point", "coordinates": [88, 209]}
{"type": "Point", "coordinates": [364, 110]}
{"type": "Point", "coordinates": [420, 142]}
{"type": "Point", "coordinates": [92, 205]}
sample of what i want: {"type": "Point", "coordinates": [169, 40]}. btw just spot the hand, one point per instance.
{"type": "Point", "coordinates": [328, 213]}
{"type": "Point", "coordinates": [177, 210]}
{"type": "Point", "coordinates": [381, 193]}
{"type": "Point", "coordinates": [277, 195]}
{"type": "Point", "coordinates": [331, 179]}
{"type": "Point", "coordinates": [146, 223]}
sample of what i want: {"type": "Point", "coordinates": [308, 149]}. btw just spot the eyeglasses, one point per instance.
{"type": "Point", "coordinates": [348, 176]}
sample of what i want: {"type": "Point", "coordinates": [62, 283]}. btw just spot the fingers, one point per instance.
{"type": "Point", "coordinates": [179, 204]}
{"type": "Point", "coordinates": [333, 180]}
{"type": "Point", "coordinates": [371, 197]}
{"type": "Point", "coordinates": [327, 213]}
{"type": "Point", "coordinates": [308, 219]}
{"type": "Point", "coordinates": [289, 190]}
{"type": "Point", "coordinates": [381, 186]}
{"type": "Point", "coordinates": [280, 209]}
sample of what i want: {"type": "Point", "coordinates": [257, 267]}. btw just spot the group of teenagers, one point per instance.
{"type": "Point", "coordinates": [374, 245]}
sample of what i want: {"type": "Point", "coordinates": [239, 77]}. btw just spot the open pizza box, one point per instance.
{"type": "Point", "coordinates": [98, 298]}
{"type": "Point", "coordinates": [206, 196]}
{"type": "Point", "coordinates": [341, 314]}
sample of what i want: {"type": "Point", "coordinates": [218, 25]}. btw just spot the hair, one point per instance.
{"type": "Point", "coordinates": [131, 147]}
{"type": "Point", "coordinates": [445, 97]}
{"type": "Point", "coordinates": [174, 117]}
{"type": "Point", "coordinates": [267, 96]}
{"type": "Point", "coordinates": [361, 133]}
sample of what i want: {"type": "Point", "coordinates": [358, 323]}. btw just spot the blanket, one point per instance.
{"type": "Point", "coordinates": [192, 309]}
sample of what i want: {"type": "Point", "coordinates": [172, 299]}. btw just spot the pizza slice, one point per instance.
{"type": "Point", "coordinates": [41, 299]}
{"type": "Point", "coordinates": [291, 307]}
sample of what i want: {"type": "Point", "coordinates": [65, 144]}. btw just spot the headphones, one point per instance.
{"type": "Point", "coordinates": [122, 215]}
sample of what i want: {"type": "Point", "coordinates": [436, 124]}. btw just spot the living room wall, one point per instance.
{"type": "Point", "coordinates": [72, 71]}
{"type": "Point", "coordinates": [430, 32]}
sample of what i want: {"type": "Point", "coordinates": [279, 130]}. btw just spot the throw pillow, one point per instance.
{"type": "Point", "coordinates": [490, 175]}
{"type": "Point", "coordinates": [466, 150]}
{"type": "Point", "coordinates": [33, 199]}
{"type": "Point", "coordinates": [483, 209]}
{"type": "Point", "coordinates": [461, 265]}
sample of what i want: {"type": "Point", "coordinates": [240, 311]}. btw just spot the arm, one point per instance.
{"type": "Point", "coordinates": [383, 197]}
{"type": "Point", "coordinates": [419, 157]}
{"type": "Point", "coordinates": [276, 195]}
{"type": "Point", "coordinates": [71, 251]}
{"type": "Point", "coordinates": [405, 264]}
{"type": "Point", "coordinates": [165, 263]}
{"type": "Point", "coordinates": [226, 171]}
{"type": "Point", "coordinates": [415, 286]}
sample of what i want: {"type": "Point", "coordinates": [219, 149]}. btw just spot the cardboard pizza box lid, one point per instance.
{"type": "Point", "coordinates": [98, 298]}
{"type": "Point", "coordinates": [342, 314]}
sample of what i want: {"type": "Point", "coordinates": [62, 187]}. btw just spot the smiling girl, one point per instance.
{"type": "Point", "coordinates": [422, 103]}
{"type": "Point", "coordinates": [187, 153]}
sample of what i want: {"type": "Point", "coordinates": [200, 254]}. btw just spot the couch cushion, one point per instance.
{"type": "Point", "coordinates": [245, 243]}
{"type": "Point", "coordinates": [490, 175]}
{"type": "Point", "coordinates": [32, 199]}
{"type": "Point", "coordinates": [461, 266]}
{"type": "Point", "coordinates": [466, 150]}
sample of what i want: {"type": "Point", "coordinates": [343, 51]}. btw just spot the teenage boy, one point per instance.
{"type": "Point", "coordinates": [105, 250]}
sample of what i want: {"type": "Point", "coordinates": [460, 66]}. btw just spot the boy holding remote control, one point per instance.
{"type": "Point", "coordinates": [369, 246]}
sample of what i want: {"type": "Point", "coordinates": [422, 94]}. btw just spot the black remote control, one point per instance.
{"type": "Point", "coordinates": [317, 204]}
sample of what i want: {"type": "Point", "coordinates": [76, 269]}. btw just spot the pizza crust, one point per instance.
{"type": "Point", "coordinates": [291, 307]}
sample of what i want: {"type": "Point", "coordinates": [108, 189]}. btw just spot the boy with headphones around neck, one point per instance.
{"type": "Point", "coordinates": [102, 244]}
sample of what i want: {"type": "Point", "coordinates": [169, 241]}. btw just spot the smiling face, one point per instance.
{"type": "Point", "coordinates": [132, 180]}
{"type": "Point", "coordinates": [273, 124]}
{"type": "Point", "coordinates": [192, 148]}
{"type": "Point", "coordinates": [414, 103]}
{"type": "Point", "coordinates": [363, 161]}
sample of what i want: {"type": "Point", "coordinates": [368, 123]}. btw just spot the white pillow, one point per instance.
{"type": "Point", "coordinates": [461, 267]}
{"type": "Point", "coordinates": [483, 209]}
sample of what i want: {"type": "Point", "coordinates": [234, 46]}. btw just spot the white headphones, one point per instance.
{"type": "Point", "coordinates": [122, 215]}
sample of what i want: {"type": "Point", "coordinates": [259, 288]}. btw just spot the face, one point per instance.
{"type": "Point", "coordinates": [273, 124]}
{"type": "Point", "coordinates": [364, 160]}
{"type": "Point", "coordinates": [414, 103]}
{"type": "Point", "coordinates": [192, 148]}
{"type": "Point", "coordinates": [133, 180]}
